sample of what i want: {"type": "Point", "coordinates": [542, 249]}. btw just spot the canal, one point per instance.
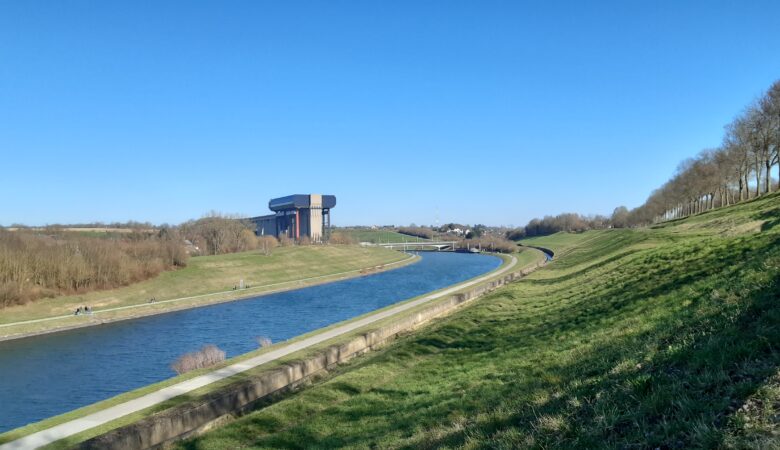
{"type": "Point", "coordinates": [47, 375]}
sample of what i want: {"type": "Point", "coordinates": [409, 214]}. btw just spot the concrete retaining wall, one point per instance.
{"type": "Point", "coordinates": [215, 408]}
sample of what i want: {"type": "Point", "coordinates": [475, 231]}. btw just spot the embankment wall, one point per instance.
{"type": "Point", "coordinates": [196, 416]}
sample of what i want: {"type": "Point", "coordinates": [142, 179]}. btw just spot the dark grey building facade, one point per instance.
{"type": "Point", "coordinates": [296, 216]}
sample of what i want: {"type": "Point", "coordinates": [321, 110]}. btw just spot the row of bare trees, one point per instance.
{"type": "Point", "coordinates": [490, 243]}
{"type": "Point", "coordinates": [36, 264]}
{"type": "Point", "coordinates": [570, 222]}
{"type": "Point", "coordinates": [51, 261]}
{"type": "Point", "coordinates": [740, 169]}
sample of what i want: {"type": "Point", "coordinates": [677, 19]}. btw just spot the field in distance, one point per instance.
{"type": "Point", "coordinates": [378, 236]}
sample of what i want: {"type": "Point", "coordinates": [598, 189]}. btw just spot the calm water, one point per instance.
{"type": "Point", "coordinates": [48, 375]}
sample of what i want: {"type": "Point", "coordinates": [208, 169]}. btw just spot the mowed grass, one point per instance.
{"type": "Point", "coordinates": [206, 275]}
{"type": "Point", "coordinates": [560, 242]}
{"type": "Point", "coordinates": [379, 236]}
{"type": "Point", "coordinates": [655, 338]}
{"type": "Point", "coordinates": [525, 258]}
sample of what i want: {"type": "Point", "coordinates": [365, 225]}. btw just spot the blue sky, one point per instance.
{"type": "Point", "coordinates": [492, 112]}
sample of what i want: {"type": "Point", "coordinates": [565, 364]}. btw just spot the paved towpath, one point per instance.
{"type": "Point", "coordinates": [75, 426]}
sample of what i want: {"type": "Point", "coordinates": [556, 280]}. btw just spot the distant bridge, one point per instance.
{"type": "Point", "coordinates": [439, 246]}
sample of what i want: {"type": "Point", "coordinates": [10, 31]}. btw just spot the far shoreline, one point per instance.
{"type": "Point", "coordinates": [297, 284]}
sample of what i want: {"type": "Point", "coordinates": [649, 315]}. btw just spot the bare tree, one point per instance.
{"type": "Point", "coordinates": [221, 233]}
{"type": "Point", "coordinates": [721, 176]}
{"type": "Point", "coordinates": [737, 144]}
{"type": "Point", "coordinates": [620, 217]}
{"type": "Point", "coordinates": [761, 135]}
{"type": "Point", "coordinates": [770, 108]}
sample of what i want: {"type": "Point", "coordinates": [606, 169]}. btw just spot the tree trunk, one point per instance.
{"type": "Point", "coordinates": [740, 188]}
{"type": "Point", "coordinates": [768, 178]}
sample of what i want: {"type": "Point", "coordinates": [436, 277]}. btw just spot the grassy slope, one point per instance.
{"type": "Point", "coordinates": [524, 258]}
{"type": "Point", "coordinates": [664, 337]}
{"type": "Point", "coordinates": [208, 274]}
{"type": "Point", "coordinates": [379, 236]}
{"type": "Point", "coordinates": [560, 242]}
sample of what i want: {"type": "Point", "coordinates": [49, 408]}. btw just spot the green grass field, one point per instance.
{"type": "Point", "coordinates": [378, 236]}
{"type": "Point", "coordinates": [525, 258]}
{"type": "Point", "coordinates": [203, 275]}
{"type": "Point", "coordinates": [654, 338]}
{"type": "Point", "coordinates": [561, 242]}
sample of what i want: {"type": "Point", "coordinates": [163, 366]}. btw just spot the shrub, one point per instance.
{"type": "Point", "coordinates": [285, 241]}
{"type": "Point", "coordinates": [207, 356]}
{"type": "Point", "coordinates": [424, 233]}
{"type": "Point", "coordinates": [35, 265]}
{"type": "Point", "coordinates": [247, 240]}
{"type": "Point", "coordinates": [218, 233]}
{"type": "Point", "coordinates": [516, 234]}
{"type": "Point", "coordinates": [339, 238]}
{"type": "Point", "coordinates": [267, 244]}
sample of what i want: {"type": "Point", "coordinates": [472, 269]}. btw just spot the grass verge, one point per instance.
{"type": "Point", "coordinates": [379, 236]}
{"type": "Point", "coordinates": [524, 258]}
{"type": "Point", "coordinates": [654, 338]}
{"type": "Point", "coordinates": [207, 280]}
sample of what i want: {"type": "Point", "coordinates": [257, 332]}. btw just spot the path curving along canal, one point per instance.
{"type": "Point", "coordinates": [47, 375]}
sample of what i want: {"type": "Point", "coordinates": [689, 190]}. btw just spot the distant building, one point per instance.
{"type": "Point", "coordinates": [296, 216]}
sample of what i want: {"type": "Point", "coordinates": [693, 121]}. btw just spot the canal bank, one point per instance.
{"type": "Point", "coordinates": [452, 267]}
{"type": "Point", "coordinates": [100, 316]}
{"type": "Point", "coordinates": [258, 389]}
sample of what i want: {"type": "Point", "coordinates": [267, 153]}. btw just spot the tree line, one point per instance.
{"type": "Point", "coordinates": [489, 243]}
{"type": "Point", "coordinates": [570, 222]}
{"type": "Point", "coordinates": [739, 169]}
{"type": "Point", "coordinates": [36, 264]}
{"type": "Point", "coordinates": [53, 260]}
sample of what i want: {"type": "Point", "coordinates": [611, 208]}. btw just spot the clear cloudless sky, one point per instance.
{"type": "Point", "coordinates": [407, 111]}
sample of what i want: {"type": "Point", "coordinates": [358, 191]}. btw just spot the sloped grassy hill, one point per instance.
{"type": "Point", "coordinates": [665, 337]}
